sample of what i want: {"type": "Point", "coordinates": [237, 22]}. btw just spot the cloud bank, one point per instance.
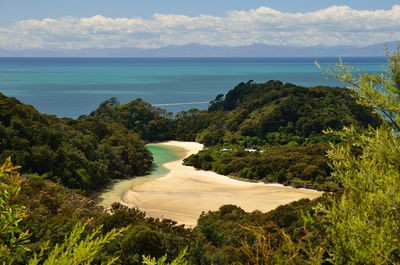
{"type": "Point", "coordinates": [336, 25]}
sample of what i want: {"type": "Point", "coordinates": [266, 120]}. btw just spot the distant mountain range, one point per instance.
{"type": "Point", "coordinates": [197, 50]}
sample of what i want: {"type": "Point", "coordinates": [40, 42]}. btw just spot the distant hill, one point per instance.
{"type": "Point", "coordinates": [85, 154]}
{"type": "Point", "coordinates": [197, 50]}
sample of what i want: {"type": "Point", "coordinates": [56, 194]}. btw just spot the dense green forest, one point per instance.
{"type": "Point", "coordinates": [281, 127]}
{"type": "Point", "coordinates": [47, 218]}
{"type": "Point", "coordinates": [272, 113]}
{"type": "Point", "coordinates": [80, 154]}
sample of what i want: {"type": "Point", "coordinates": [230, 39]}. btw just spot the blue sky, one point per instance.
{"type": "Point", "coordinates": [76, 24]}
{"type": "Point", "coordinates": [14, 10]}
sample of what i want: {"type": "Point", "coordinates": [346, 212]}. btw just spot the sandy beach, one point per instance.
{"type": "Point", "coordinates": [185, 192]}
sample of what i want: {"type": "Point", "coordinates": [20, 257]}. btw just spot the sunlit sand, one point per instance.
{"type": "Point", "coordinates": [185, 192]}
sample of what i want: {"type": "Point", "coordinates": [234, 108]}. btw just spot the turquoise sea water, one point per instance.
{"type": "Point", "coordinates": [69, 87]}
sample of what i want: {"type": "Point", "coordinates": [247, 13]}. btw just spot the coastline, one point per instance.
{"type": "Point", "coordinates": [184, 192]}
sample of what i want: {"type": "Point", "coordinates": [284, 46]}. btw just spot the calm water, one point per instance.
{"type": "Point", "coordinates": [161, 155]}
{"type": "Point", "coordinates": [69, 87]}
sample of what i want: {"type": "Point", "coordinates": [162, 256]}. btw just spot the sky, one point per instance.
{"type": "Point", "coordinates": [75, 24]}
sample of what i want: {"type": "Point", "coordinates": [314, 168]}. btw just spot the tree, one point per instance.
{"type": "Point", "coordinates": [180, 260]}
{"type": "Point", "coordinates": [217, 103]}
{"type": "Point", "coordinates": [363, 226]}
{"type": "Point", "coordinates": [141, 240]}
{"type": "Point", "coordinates": [12, 239]}
{"type": "Point", "coordinates": [75, 250]}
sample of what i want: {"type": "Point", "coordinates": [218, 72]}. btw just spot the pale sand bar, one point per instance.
{"type": "Point", "coordinates": [185, 192]}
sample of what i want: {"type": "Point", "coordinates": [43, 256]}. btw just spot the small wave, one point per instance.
{"type": "Point", "coordinates": [177, 104]}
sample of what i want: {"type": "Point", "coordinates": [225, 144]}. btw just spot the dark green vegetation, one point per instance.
{"type": "Point", "coordinates": [280, 114]}
{"type": "Point", "coordinates": [285, 124]}
{"type": "Point", "coordinates": [249, 115]}
{"type": "Point", "coordinates": [80, 154]}
{"type": "Point", "coordinates": [151, 123]}
{"type": "Point", "coordinates": [284, 121]}
{"type": "Point", "coordinates": [302, 166]}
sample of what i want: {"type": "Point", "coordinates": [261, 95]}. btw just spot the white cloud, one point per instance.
{"type": "Point", "coordinates": [336, 25]}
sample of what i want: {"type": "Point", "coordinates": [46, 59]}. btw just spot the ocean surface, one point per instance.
{"type": "Point", "coordinates": [70, 87]}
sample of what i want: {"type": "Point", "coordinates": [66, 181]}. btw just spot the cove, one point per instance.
{"type": "Point", "coordinates": [161, 154]}
{"type": "Point", "coordinates": [181, 193]}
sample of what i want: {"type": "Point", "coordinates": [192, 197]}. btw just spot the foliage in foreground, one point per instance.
{"type": "Point", "coordinates": [364, 227]}
{"type": "Point", "coordinates": [180, 260]}
{"type": "Point", "coordinates": [75, 250]}
{"type": "Point", "coordinates": [12, 238]}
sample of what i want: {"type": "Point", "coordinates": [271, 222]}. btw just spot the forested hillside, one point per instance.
{"type": "Point", "coordinates": [151, 123]}
{"type": "Point", "coordinates": [277, 114]}
{"type": "Point", "coordinates": [274, 132]}
{"type": "Point", "coordinates": [281, 123]}
{"type": "Point", "coordinates": [85, 154]}
{"type": "Point", "coordinates": [272, 113]}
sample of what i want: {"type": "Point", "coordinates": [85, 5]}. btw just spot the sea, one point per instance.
{"type": "Point", "coordinates": [70, 87]}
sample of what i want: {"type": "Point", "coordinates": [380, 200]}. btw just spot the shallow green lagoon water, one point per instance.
{"type": "Point", "coordinates": [161, 154]}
